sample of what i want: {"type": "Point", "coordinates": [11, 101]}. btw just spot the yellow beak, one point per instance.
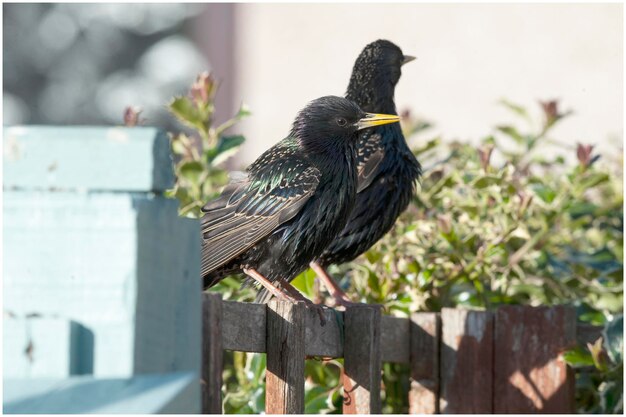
{"type": "Point", "coordinates": [373, 119]}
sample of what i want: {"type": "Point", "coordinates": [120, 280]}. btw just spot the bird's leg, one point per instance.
{"type": "Point", "coordinates": [276, 292]}
{"type": "Point", "coordinates": [340, 297]}
{"type": "Point", "coordinates": [298, 296]}
{"type": "Point", "coordinates": [293, 291]}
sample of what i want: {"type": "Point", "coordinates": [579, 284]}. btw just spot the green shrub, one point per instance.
{"type": "Point", "coordinates": [199, 155]}
{"type": "Point", "coordinates": [599, 371]}
{"type": "Point", "coordinates": [493, 224]}
{"type": "Point", "coordinates": [527, 229]}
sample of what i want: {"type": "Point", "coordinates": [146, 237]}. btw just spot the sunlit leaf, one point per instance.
{"type": "Point", "coordinates": [544, 192]}
{"type": "Point", "coordinates": [578, 357]}
{"type": "Point", "coordinates": [191, 170]}
{"type": "Point", "coordinates": [186, 111]}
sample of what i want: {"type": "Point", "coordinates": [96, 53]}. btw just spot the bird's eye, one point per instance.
{"type": "Point", "coordinates": [341, 121]}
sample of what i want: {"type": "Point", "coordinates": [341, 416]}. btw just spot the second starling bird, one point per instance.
{"type": "Point", "coordinates": [387, 169]}
{"type": "Point", "coordinates": [294, 199]}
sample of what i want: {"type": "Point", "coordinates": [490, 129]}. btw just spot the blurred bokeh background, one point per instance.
{"type": "Point", "coordinates": [84, 63]}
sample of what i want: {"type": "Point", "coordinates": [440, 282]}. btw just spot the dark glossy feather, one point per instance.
{"type": "Point", "coordinates": [248, 210]}
{"type": "Point", "coordinates": [369, 156]}
{"type": "Point", "coordinates": [293, 200]}
{"type": "Point", "coordinates": [388, 170]}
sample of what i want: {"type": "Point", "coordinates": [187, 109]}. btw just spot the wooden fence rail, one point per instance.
{"type": "Point", "coordinates": [461, 361]}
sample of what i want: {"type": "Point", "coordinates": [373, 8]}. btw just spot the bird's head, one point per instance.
{"type": "Point", "coordinates": [330, 122]}
{"type": "Point", "coordinates": [376, 72]}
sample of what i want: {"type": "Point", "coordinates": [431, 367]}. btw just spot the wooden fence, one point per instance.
{"type": "Point", "coordinates": [462, 361]}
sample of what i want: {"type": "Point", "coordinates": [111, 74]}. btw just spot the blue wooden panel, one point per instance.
{"type": "Point", "coordinates": [89, 158]}
{"type": "Point", "coordinates": [123, 265]}
{"type": "Point", "coordinates": [45, 347]}
{"type": "Point", "coordinates": [174, 393]}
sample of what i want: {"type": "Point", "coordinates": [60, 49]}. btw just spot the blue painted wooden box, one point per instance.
{"type": "Point", "coordinates": [98, 268]}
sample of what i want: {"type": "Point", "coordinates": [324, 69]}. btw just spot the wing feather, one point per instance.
{"type": "Point", "coordinates": [369, 156]}
{"type": "Point", "coordinates": [251, 209]}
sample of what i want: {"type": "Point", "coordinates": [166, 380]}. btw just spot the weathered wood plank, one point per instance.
{"type": "Point", "coordinates": [362, 363]}
{"type": "Point", "coordinates": [326, 340]}
{"type": "Point", "coordinates": [285, 358]}
{"type": "Point", "coordinates": [466, 366]}
{"type": "Point", "coordinates": [395, 334]}
{"type": "Point", "coordinates": [212, 354]}
{"type": "Point", "coordinates": [245, 331]}
{"type": "Point", "coordinates": [424, 347]}
{"type": "Point", "coordinates": [530, 374]}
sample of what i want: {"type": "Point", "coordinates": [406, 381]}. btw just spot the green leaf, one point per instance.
{"type": "Point", "coordinates": [511, 132]}
{"type": "Point", "coordinates": [515, 108]}
{"type": "Point", "coordinates": [178, 147]}
{"type": "Point", "coordinates": [191, 170]}
{"type": "Point", "coordinates": [578, 357]}
{"type": "Point", "coordinates": [593, 179]}
{"type": "Point", "coordinates": [612, 397]}
{"type": "Point", "coordinates": [544, 192]}
{"type": "Point", "coordinates": [185, 111]}
{"type": "Point", "coordinates": [614, 339]}
{"type": "Point", "coordinates": [257, 364]}
{"type": "Point", "coordinates": [431, 144]}
{"type": "Point", "coordinates": [374, 284]}
{"type": "Point", "coordinates": [485, 181]}
{"type": "Point", "coordinates": [305, 282]}
{"type": "Point", "coordinates": [226, 147]}
{"type": "Point", "coordinates": [257, 402]}
{"type": "Point", "coordinates": [582, 208]}
{"type": "Point", "coordinates": [373, 256]}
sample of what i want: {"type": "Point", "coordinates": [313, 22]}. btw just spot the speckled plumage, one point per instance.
{"type": "Point", "coordinates": [392, 169]}
{"type": "Point", "coordinates": [293, 200]}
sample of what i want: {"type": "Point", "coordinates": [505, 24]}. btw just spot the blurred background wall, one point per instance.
{"type": "Point", "coordinates": [82, 64]}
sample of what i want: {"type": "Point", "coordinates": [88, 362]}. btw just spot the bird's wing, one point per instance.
{"type": "Point", "coordinates": [369, 156]}
{"type": "Point", "coordinates": [251, 208]}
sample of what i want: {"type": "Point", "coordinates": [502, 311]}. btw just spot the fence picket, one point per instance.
{"type": "Point", "coordinates": [530, 374]}
{"type": "Point", "coordinates": [466, 366]}
{"type": "Point", "coordinates": [461, 361]}
{"type": "Point", "coordinates": [424, 358]}
{"type": "Point", "coordinates": [362, 360]}
{"type": "Point", "coordinates": [284, 390]}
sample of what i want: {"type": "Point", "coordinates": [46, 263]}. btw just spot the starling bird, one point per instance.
{"type": "Point", "coordinates": [387, 169]}
{"type": "Point", "coordinates": [293, 200]}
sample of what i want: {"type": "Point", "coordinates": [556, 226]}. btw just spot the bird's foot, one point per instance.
{"type": "Point", "coordinates": [319, 308]}
{"type": "Point", "coordinates": [276, 292]}
{"type": "Point", "coordinates": [339, 296]}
